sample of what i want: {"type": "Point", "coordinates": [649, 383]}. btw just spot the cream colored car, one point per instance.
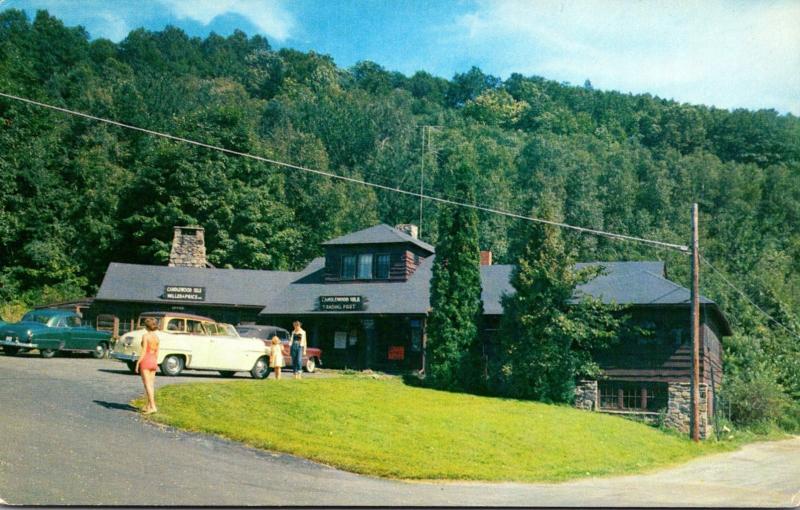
{"type": "Point", "coordinates": [197, 343]}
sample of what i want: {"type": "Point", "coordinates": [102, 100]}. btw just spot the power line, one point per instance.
{"type": "Point", "coordinates": [734, 287]}
{"type": "Point", "coordinates": [353, 180]}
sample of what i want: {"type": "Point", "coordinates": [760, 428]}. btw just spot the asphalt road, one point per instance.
{"type": "Point", "coordinates": [68, 436]}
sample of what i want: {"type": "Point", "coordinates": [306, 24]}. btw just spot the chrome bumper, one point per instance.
{"type": "Point", "coordinates": [123, 357]}
{"type": "Point", "coordinates": [19, 344]}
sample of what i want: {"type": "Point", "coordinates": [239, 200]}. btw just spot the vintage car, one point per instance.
{"type": "Point", "coordinates": [312, 358]}
{"type": "Point", "coordinates": [197, 343]}
{"type": "Point", "coordinates": [50, 331]}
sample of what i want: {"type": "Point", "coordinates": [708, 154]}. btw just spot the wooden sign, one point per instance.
{"type": "Point", "coordinates": [180, 293]}
{"type": "Point", "coordinates": [397, 352]}
{"type": "Point", "coordinates": [341, 303]}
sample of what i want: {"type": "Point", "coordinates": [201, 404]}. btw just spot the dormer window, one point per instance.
{"type": "Point", "coordinates": [382, 267]}
{"type": "Point", "coordinates": [365, 266]}
{"type": "Point", "coordinates": [349, 267]}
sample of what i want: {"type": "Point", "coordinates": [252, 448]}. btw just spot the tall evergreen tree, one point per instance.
{"type": "Point", "coordinates": [546, 339]}
{"type": "Point", "coordinates": [454, 354]}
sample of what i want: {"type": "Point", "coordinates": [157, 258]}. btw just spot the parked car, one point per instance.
{"type": "Point", "coordinates": [312, 358]}
{"type": "Point", "coordinates": [197, 343]}
{"type": "Point", "coordinates": [50, 331]}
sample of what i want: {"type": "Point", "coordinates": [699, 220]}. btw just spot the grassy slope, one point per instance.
{"type": "Point", "coordinates": [385, 428]}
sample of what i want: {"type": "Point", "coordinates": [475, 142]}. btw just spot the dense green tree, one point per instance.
{"type": "Point", "coordinates": [546, 339]}
{"type": "Point", "coordinates": [454, 355]}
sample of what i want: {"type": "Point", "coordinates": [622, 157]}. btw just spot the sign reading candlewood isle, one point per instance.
{"type": "Point", "coordinates": [341, 303]}
{"type": "Point", "coordinates": [180, 293]}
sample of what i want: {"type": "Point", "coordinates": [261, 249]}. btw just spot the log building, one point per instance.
{"type": "Point", "coordinates": [365, 303]}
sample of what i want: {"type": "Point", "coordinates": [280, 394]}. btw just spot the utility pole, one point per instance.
{"type": "Point", "coordinates": [422, 171]}
{"type": "Point", "coordinates": [695, 328]}
{"type": "Point", "coordinates": [421, 181]}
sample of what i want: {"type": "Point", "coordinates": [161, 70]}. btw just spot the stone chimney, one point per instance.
{"type": "Point", "coordinates": [486, 258]}
{"type": "Point", "coordinates": [408, 228]}
{"type": "Point", "coordinates": [188, 247]}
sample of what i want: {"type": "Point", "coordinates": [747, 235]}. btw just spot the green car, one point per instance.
{"type": "Point", "coordinates": [51, 331]}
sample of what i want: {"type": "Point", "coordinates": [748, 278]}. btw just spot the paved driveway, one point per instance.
{"type": "Point", "coordinates": [67, 436]}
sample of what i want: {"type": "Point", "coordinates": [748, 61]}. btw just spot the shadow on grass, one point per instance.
{"type": "Point", "coordinates": [116, 406]}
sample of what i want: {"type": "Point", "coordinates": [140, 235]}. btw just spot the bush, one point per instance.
{"type": "Point", "coordinates": [755, 399]}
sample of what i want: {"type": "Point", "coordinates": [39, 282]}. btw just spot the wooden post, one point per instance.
{"type": "Point", "coordinates": [695, 328]}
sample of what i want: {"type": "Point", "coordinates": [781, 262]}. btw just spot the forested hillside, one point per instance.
{"type": "Point", "coordinates": [77, 194]}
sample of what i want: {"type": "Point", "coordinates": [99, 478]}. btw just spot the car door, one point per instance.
{"type": "Point", "coordinates": [79, 337]}
{"type": "Point", "coordinates": [200, 345]}
{"type": "Point", "coordinates": [61, 332]}
{"type": "Point", "coordinates": [230, 352]}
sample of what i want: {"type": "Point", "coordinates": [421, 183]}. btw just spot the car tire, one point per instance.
{"type": "Point", "coordinates": [172, 365]}
{"type": "Point", "coordinates": [11, 351]}
{"type": "Point", "coordinates": [310, 365]}
{"type": "Point", "coordinates": [100, 351]}
{"type": "Point", "coordinates": [47, 353]}
{"type": "Point", "coordinates": [131, 366]}
{"type": "Point", "coordinates": [227, 373]}
{"type": "Point", "coordinates": [261, 368]}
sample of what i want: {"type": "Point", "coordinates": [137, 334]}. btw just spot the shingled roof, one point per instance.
{"type": "Point", "coordinates": [624, 283]}
{"type": "Point", "coordinates": [237, 287]}
{"type": "Point", "coordinates": [379, 234]}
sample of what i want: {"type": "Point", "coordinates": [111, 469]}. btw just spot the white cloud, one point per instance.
{"type": "Point", "coordinates": [725, 53]}
{"type": "Point", "coordinates": [268, 15]}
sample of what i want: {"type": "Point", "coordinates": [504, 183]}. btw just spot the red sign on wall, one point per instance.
{"type": "Point", "coordinates": [397, 352]}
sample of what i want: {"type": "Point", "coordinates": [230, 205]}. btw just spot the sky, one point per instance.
{"type": "Point", "coordinates": [724, 53]}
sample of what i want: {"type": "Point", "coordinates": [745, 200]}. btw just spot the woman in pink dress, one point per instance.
{"type": "Point", "coordinates": [147, 364]}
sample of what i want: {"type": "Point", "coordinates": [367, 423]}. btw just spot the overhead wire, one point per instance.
{"type": "Point", "coordinates": [746, 297]}
{"type": "Point", "coordinates": [583, 230]}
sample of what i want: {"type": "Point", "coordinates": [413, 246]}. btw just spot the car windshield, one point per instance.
{"type": "Point", "coordinates": [37, 317]}
{"type": "Point", "coordinates": [251, 333]}
{"type": "Point", "coordinates": [227, 330]}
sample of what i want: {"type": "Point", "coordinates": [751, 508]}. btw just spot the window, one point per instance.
{"type": "Point", "coordinates": [142, 318]}
{"type": "Point", "coordinates": [195, 327]}
{"type": "Point", "coordinates": [382, 267]}
{"type": "Point", "coordinates": [176, 326]}
{"type": "Point", "coordinates": [35, 317]}
{"type": "Point", "coordinates": [416, 335]}
{"type": "Point", "coordinates": [348, 267]}
{"type": "Point", "coordinates": [365, 266]}
{"type": "Point", "coordinates": [632, 396]}
{"type": "Point", "coordinates": [73, 321]}
{"type": "Point", "coordinates": [60, 322]}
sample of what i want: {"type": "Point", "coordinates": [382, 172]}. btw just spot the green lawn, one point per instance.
{"type": "Point", "coordinates": [386, 428]}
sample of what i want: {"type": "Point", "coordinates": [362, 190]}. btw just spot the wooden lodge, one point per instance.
{"type": "Point", "coordinates": [365, 303]}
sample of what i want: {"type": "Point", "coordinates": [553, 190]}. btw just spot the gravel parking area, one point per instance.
{"type": "Point", "coordinates": [69, 437]}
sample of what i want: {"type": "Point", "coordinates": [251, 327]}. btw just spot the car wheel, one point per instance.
{"type": "Point", "coordinates": [226, 373]}
{"type": "Point", "coordinates": [172, 365]}
{"type": "Point", "coordinates": [261, 368]}
{"type": "Point", "coordinates": [47, 353]}
{"type": "Point", "coordinates": [100, 351]}
{"type": "Point", "coordinates": [131, 366]}
{"type": "Point", "coordinates": [311, 365]}
{"type": "Point", "coordinates": [11, 351]}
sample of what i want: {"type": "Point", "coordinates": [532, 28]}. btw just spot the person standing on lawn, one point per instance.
{"type": "Point", "coordinates": [147, 366]}
{"type": "Point", "coordinates": [276, 356]}
{"type": "Point", "coordinates": [298, 349]}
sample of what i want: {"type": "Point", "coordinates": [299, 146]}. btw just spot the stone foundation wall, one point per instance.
{"type": "Point", "coordinates": [679, 408]}
{"type": "Point", "coordinates": [586, 395]}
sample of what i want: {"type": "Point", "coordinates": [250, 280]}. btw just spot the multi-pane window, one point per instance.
{"type": "Point", "coordinates": [632, 396]}
{"type": "Point", "coordinates": [365, 266]}
{"type": "Point", "coordinates": [348, 267]}
{"type": "Point", "coordinates": [382, 267]}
